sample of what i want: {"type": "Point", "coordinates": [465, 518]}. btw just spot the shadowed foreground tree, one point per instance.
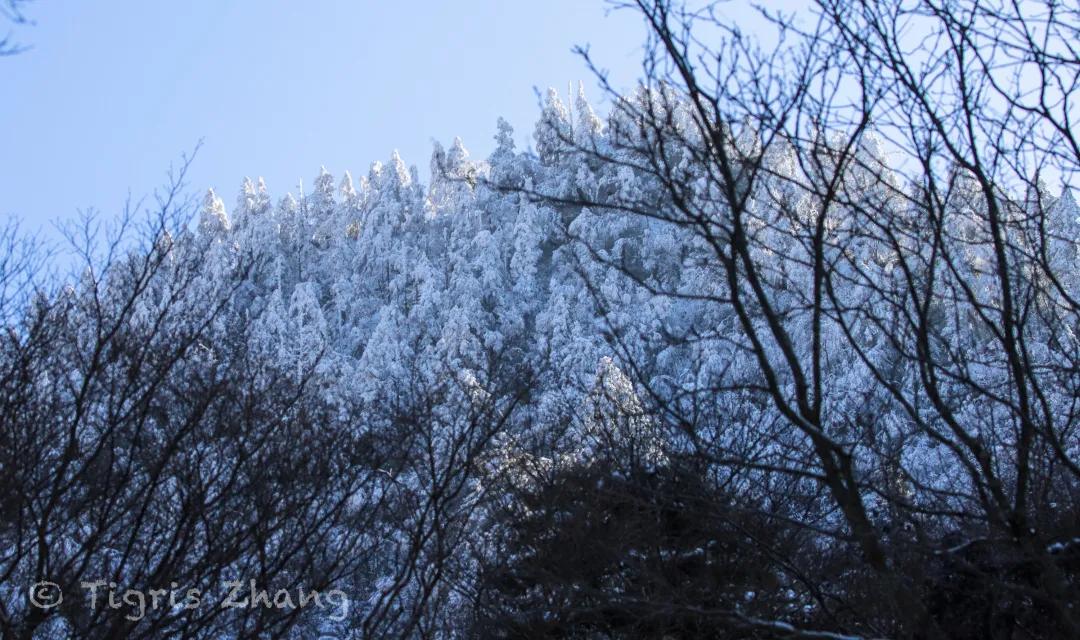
{"type": "Point", "coordinates": [635, 552]}
{"type": "Point", "coordinates": [141, 449]}
{"type": "Point", "coordinates": [784, 347]}
{"type": "Point", "coordinates": [859, 215]}
{"type": "Point", "coordinates": [159, 432]}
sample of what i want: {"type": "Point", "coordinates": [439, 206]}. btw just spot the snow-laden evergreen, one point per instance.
{"type": "Point", "coordinates": [531, 314]}
{"type": "Point", "coordinates": [388, 290]}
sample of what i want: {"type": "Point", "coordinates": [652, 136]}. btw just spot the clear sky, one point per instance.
{"type": "Point", "coordinates": [113, 91]}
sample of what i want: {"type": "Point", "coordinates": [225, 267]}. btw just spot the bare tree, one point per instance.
{"type": "Point", "coordinates": [143, 449]}
{"type": "Point", "coordinates": [12, 11]}
{"type": "Point", "coordinates": [866, 197]}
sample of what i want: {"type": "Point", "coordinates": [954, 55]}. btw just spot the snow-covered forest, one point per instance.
{"type": "Point", "coordinates": [730, 359]}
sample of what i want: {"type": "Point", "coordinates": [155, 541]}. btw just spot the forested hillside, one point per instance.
{"type": "Point", "coordinates": [672, 371]}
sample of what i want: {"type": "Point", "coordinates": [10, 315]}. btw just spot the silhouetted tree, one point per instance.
{"type": "Point", "coordinates": [889, 282]}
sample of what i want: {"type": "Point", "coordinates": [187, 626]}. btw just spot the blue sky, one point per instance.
{"type": "Point", "coordinates": [113, 91]}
